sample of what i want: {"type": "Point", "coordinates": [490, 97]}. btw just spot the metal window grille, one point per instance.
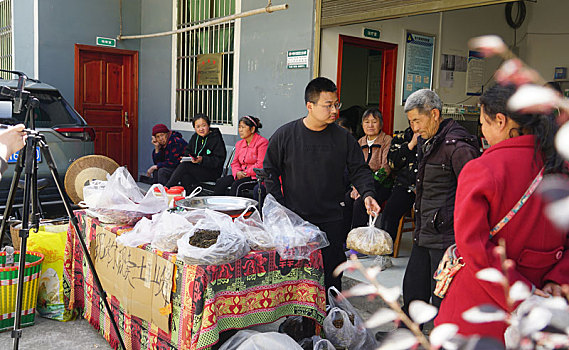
{"type": "Point", "coordinates": [215, 101]}
{"type": "Point", "coordinates": [6, 37]}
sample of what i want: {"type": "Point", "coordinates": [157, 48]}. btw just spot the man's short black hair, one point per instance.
{"type": "Point", "coordinates": [316, 86]}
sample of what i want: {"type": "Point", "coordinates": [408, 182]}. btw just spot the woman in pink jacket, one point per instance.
{"type": "Point", "coordinates": [488, 189]}
{"type": "Point", "coordinates": [249, 154]}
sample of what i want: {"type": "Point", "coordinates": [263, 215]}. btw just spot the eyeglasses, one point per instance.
{"type": "Point", "coordinates": [336, 105]}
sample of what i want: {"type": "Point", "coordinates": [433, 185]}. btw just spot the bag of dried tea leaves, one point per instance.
{"type": "Point", "coordinates": [214, 240]}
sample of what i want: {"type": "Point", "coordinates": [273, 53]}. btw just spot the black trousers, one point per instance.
{"type": "Point", "coordinates": [333, 255]}
{"type": "Point", "coordinates": [190, 174]}
{"type": "Point", "coordinates": [418, 282]}
{"type": "Point", "coordinates": [162, 175]}
{"type": "Point", "coordinates": [236, 185]}
{"type": "Point", "coordinates": [355, 213]}
{"type": "Point", "coordinates": [400, 201]}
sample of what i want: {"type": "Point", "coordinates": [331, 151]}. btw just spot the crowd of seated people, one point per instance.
{"type": "Point", "coordinates": [203, 158]}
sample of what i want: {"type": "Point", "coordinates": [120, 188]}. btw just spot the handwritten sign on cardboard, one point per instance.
{"type": "Point", "coordinates": [140, 280]}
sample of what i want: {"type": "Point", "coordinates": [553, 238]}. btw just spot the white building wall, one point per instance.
{"type": "Point", "coordinates": [457, 27]}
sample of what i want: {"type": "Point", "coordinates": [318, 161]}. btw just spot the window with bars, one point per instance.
{"type": "Point", "coordinates": [192, 95]}
{"type": "Point", "coordinates": [6, 37]}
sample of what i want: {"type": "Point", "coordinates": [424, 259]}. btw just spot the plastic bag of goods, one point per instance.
{"type": "Point", "coordinates": [255, 231]}
{"type": "Point", "coordinates": [50, 241]}
{"type": "Point", "coordinates": [214, 240]}
{"type": "Point", "coordinates": [339, 329]}
{"type": "Point", "coordinates": [294, 238]}
{"type": "Point", "coordinates": [370, 240]}
{"type": "Point", "coordinates": [363, 339]}
{"type": "Point", "coordinates": [169, 228]}
{"type": "Point", "coordinates": [248, 339]}
{"type": "Point", "coordinates": [119, 200]}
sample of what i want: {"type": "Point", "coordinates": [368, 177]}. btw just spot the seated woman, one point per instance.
{"type": "Point", "coordinates": [375, 146]}
{"type": "Point", "coordinates": [249, 154]}
{"type": "Point", "coordinates": [206, 154]}
{"type": "Point", "coordinates": [489, 188]}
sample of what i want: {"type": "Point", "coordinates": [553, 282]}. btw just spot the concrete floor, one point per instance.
{"type": "Point", "coordinates": [47, 334]}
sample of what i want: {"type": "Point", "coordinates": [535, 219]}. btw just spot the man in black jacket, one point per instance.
{"type": "Point", "coordinates": [310, 155]}
{"type": "Point", "coordinates": [444, 147]}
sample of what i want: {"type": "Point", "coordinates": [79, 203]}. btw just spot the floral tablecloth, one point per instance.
{"type": "Point", "coordinates": [260, 288]}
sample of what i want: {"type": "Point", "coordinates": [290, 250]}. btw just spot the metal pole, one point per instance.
{"type": "Point", "coordinates": [267, 9]}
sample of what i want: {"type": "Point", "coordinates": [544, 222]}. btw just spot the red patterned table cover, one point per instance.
{"type": "Point", "coordinates": [258, 289]}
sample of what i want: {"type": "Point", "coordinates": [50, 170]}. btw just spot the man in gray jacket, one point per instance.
{"type": "Point", "coordinates": [443, 148]}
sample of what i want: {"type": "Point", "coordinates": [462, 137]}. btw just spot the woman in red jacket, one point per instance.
{"type": "Point", "coordinates": [249, 154]}
{"type": "Point", "coordinates": [488, 188]}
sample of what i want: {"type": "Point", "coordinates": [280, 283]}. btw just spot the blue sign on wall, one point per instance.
{"type": "Point", "coordinates": [419, 54]}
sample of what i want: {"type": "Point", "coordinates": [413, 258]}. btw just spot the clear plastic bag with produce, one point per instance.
{"type": "Point", "coordinates": [339, 330]}
{"type": "Point", "coordinates": [255, 231]}
{"type": "Point", "coordinates": [370, 240]}
{"type": "Point", "coordinates": [168, 229]}
{"type": "Point", "coordinates": [119, 200]}
{"type": "Point", "coordinates": [294, 238]}
{"type": "Point", "coordinates": [214, 240]}
{"type": "Point", "coordinates": [140, 234]}
{"type": "Point", "coordinates": [363, 339]}
{"type": "Point", "coordinates": [248, 339]}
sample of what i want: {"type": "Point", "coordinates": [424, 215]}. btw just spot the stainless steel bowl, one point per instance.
{"type": "Point", "coordinates": [232, 206]}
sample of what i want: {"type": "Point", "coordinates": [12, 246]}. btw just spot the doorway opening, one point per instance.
{"type": "Point", "coordinates": [366, 78]}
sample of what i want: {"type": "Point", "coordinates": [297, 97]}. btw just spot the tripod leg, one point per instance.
{"type": "Point", "coordinates": [49, 160]}
{"type": "Point", "coordinates": [29, 163]}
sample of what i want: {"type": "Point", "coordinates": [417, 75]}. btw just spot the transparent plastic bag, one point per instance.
{"type": "Point", "coordinates": [119, 200]}
{"type": "Point", "coordinates": [248, 339]}
{"type": "Point", "coordinates": [140, 234]}
{"type": "Point", "coordinates": [363, 339]}
{"type": "Point", "coordinates": [255, 231]}
{"type": "Point", "coordinates": [294, 238]}
{"type": "Point", "coordinates": [230, 245]}
{"type": "Point", "coordinates": [370, 240]}
{"type": "Point", "coordinates": [339, 330]}
{"type": "Point", "coordinates": [168, 229]}
{"type": "Point", "coordinates": [324, 344]}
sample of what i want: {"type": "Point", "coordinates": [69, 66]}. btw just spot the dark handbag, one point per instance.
{"type": "Point", "coordinates": [452, 262]}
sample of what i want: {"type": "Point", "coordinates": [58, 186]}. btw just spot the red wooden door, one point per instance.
{"type": "Point", "coordinates": [106, 95]}
{"type": "Point", "coordinates": [388, 73]}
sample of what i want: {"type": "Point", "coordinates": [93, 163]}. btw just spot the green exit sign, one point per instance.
{"type": "Point", "coordinates": [106, 42]}
{"type": "Point", "coordinates": [371, 33]}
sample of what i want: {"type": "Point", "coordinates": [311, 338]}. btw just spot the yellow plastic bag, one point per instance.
{"type": "Point", "coordinates": [50, 241]}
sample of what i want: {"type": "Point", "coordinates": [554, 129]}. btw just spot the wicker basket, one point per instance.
{"type": "Point", "coordinates": [9, 285]}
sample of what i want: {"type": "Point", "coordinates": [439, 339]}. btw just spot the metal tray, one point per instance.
{"type": "Point", "coordinates": [229, 205]}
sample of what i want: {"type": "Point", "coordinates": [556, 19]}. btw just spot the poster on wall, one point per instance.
{"type": "Point", "coordinates": [474, 73]}
{"type": "Point", "coordinates": [419, 54]}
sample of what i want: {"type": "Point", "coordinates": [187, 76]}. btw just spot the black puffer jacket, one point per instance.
{"type": "Point", "coordinates": [440, 159]}
{"type": "Point", "coordinates": [211, 148]}
{"type": "Point", "coordinates": [403, 161]}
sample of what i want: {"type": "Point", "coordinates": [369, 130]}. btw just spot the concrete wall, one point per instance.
{"type": "Point", "coordinates": [457, 27]}
{"type": "Point", "coordinates": [155, 76]}
{"type": "Point", "coordinates": [24, 50]}
{"type": "Point", "coordinates": [64, 23]}
{"type": "Point", "coordinates": [547, 36]}
{"type": "Point", "coordinates": [267, 89]}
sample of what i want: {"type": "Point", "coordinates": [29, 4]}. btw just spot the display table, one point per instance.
{"type": "Point", "coordinates": [258, 289]}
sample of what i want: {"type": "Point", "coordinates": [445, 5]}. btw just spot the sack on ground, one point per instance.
{"type": "Point", "coordinates": [248, 339]}
{"type": "Point", "coordinates": [294, 238]}
{"type": "Point", "coordinates": [370, 240]}
{"type": "Point", "coordinates": [214, 240]}
{"type": "Point", "coordinates": [363, 340]}
{"type": "Point", "coordinates": [51, 243]}
{"type": "Point", "coordinates": [119, 200]}
{"type": "Point", "coordinates": [339, 328]}
{"type": "Point", "coordinates": [254, 230]}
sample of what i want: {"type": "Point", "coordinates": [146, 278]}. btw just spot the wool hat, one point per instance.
{"type": "Point", "coordinates": [158, 128]}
